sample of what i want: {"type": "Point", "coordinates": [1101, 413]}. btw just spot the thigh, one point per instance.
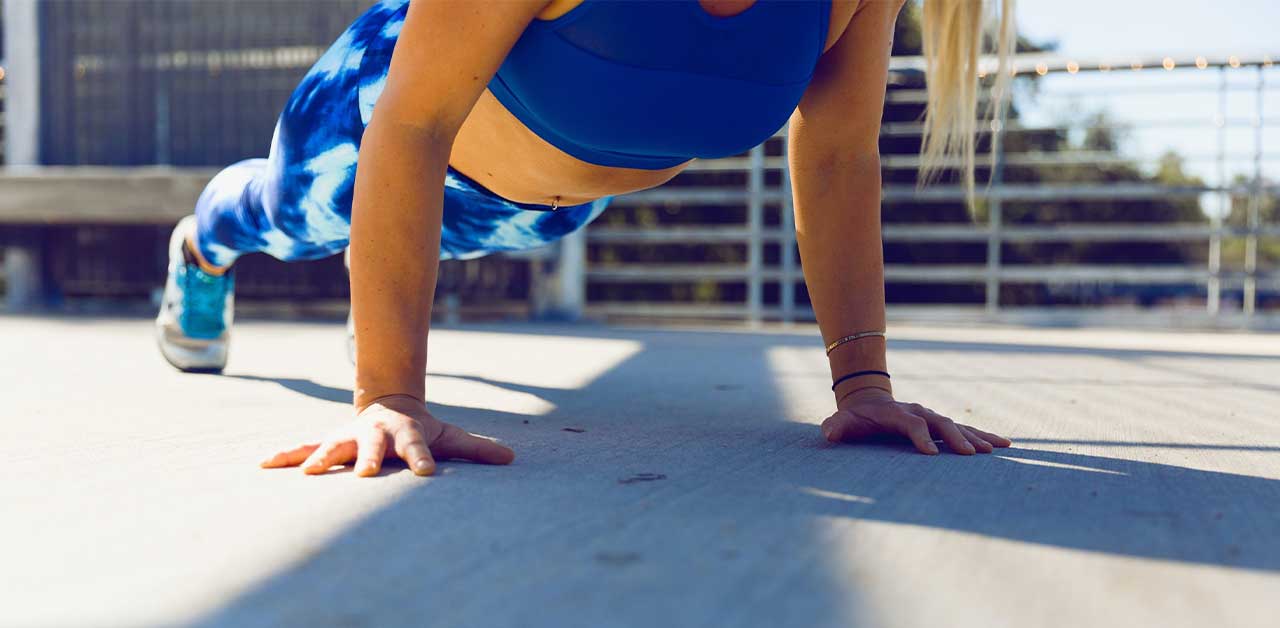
{"type": "Point", "coordinates": [312, 164]}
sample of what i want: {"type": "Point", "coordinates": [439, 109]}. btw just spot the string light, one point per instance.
{"type": "Point", "coordinates": [1073, 67]}
{"type": "Point", "coordinates": [1104, 67]}
{"type": "Point", "coordinates": [1266, 61]}
{"type": "Point", "coordinates": [1168, 63]}
{"type": "Point", "coordinates": [1234, 61]}
{"type": "Point", "coordinates": [1, 73]}
{"type": "Point", "coordinates": [1136, 65]}
{"type": "Point", "coordinates": [1202, 62]}
{"type": "Point", "coordinates": [1042, 69]}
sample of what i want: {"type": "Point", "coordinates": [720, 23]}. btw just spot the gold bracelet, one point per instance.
{"type": "Point", "coordinates": [862, 334]}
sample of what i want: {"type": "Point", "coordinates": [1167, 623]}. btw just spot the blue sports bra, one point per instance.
{"type": "Point", "coordinates": [651, 85]}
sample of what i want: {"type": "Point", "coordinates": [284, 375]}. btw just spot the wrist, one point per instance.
{"type": "Point", "coordinates": [857, 386]}
{"type": "Point", "coordinates": [863, 354]}
{"type": "Point", "coordinates": [370, 391]}
{"type": "Point", "coordinates": [859, 393]}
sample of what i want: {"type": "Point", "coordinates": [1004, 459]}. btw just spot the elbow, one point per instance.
{"type": "Point", "coordinates": [836, 158]}
{"type": "Point", "coordinates": [435, 136]}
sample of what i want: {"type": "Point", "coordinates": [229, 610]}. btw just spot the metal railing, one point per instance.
{"type": "Point", "coordinates": [994, 273]}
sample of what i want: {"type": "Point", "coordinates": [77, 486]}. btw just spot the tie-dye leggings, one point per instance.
{"type": "Point", "coordinates": [296, 203]}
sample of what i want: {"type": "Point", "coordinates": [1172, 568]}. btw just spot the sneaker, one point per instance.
{"type": "Point", "coordinates": [194, 324]}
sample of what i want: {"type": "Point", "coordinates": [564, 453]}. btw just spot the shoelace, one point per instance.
{"type": "Point", "coordinates": [204, 297]}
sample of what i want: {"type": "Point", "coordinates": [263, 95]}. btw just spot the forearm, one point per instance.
{"type": "Point", "coordinates": [395, 249]}
{"type": "Point", "coordinates": [838, 232]}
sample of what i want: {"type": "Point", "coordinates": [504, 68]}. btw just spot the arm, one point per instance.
{"type": "Point", "coordinates": [446, 53]}
{"type": "Point", "coordinates": [835, 167]}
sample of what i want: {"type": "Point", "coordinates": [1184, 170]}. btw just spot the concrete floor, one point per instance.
{"type": "Point", "coordinates": [1143, 488]}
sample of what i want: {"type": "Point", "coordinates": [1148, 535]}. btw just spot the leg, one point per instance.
{"type": "Point", "coordinates": [296, 203]}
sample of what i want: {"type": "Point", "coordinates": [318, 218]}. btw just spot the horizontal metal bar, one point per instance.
{"type": "Point", "coordinates": [739, 164]}
{"type": "Point", "coordinates": [707, 195]}
{"type": "Point", "coordinates": [1082, 232]}
{"type": "Point", "coordinates": [1084, 158]}
{"type": "Point", "coordinates": [903, 312]}
{"type": "Point", "coordinates": [1037, 192]}
{"type": "Point", "coordinates": [674, 235]}
{"type": "Point", "coordinates": [932, 273]}
{"type": "Point", "coordinates": [920, 96]}
{"type": "Point", "coordinates": [1046, 63]}
{"type": "Point", "coordinates": [645, 273]}
{"type": "Point", "coordinates": [915, 129]}
{"type": "Point", "coordinates": [910, 232]}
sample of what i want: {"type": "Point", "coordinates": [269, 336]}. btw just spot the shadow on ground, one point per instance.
{"type": "Point", "coordinates": [743, 489]}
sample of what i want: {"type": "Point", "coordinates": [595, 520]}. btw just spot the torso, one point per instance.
{"type": "Point", "coordinates": [496, 149]}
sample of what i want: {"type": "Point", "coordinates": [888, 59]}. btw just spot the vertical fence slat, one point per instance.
{"type": "Point", "coordinates": [1213, 299]}
{"type": "Point", "coordinates": [1255, 203]}
{"type": "Point", "coordinates": [755, 244]}
{"type": "Point", "coordinates": [995, 219]}
{"type": "Point", "coordinates": [787, 241]}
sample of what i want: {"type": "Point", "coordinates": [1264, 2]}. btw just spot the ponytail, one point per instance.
{"type": "Point", "coordinates": [953, 36]}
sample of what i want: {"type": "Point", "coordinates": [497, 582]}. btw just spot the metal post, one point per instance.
{"type": "Point", "coordinates": [571, 276]}
{"type": "Point", "coordinates": [1213, 300]}
{"type": "Point", "coordinates": [755, 245]}
{"type": "Point", "coordinates": [22, 82]}
{"type": "Point", "coordinates": [1255, 206]}
{"type": "Point", "coordinates": [787, 239]}
{"type": "Point", "coordinates": [994, 217]}
{"type": "Point", "coordinates": [21, 54]}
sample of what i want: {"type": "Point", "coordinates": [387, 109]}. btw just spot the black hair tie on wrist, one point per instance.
{"type": "Point", "coordinates": [855, 374]}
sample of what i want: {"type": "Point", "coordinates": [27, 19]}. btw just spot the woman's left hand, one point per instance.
{"type": "Point", "coordinates": [868, 412]}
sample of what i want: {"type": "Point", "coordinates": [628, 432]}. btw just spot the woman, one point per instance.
{"type": "Point", "coordinates": [550, 107]}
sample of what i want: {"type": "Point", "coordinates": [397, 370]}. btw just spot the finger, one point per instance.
{"type": "Point", "coordinates": [289, 457]}
{"type": "Point", "coordinates": [915, 428]}
{"type": "Point", "coordinates": [456, 442]}
{"type": "Point", "coordinates": [994, 439]}
{"type": "Point", "coordinates": [848, 427]}
{"type": "Point", "coordinates": [413, 450]}
{"type": "Point", "coordinates": [978, 442]}
{"type": "Point", "coordinates": [328, 454]}
{"type": "Point", "coordinates": [371, 446]}
{"type": "Point", "coordinates": [946, 429]}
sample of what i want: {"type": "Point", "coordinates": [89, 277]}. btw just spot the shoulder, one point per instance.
{"type": "Point", "coordinates": [843, 13]}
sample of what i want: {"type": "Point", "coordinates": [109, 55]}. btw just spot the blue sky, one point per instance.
{"type": "Point", "coordinates": [1156, 28]}
{"type": "Point", "coordinates": [1159, 26]}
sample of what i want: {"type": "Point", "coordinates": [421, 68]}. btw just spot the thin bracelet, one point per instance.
{"type": "Point", "coordinates": [855, 374]}
{"type": "Point", "coordinates": [862, 334]}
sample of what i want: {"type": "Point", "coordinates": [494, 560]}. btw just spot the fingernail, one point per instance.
{"type": "Point", "coordinates": [422, 465]}
{"type": "Point", "coordinates": [932, 448]}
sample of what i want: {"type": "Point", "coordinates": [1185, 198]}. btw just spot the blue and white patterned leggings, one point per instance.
{"type": "Point", "coordinates": [296, 203]}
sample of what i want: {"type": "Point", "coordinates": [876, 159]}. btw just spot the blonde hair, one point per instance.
{"type": "Point", "coordinates": [953, 37]}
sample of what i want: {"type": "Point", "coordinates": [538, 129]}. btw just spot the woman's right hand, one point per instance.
{"type": "Point", "coordinates": [398, 425]}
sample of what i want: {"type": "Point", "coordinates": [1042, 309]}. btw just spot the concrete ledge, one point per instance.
{"type": "Point", "coordinates": [100, 195]}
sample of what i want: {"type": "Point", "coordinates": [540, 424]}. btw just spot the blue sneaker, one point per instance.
{"type": "Point", "coordinates": [193, 328]}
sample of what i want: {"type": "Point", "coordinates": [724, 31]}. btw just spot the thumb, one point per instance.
{"type": "Point", "coordinates": [847, 426]}
{"type": "Point", "coordinates": [458, 443]}
{"type": "Point", "coordinates": [833, 426]}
